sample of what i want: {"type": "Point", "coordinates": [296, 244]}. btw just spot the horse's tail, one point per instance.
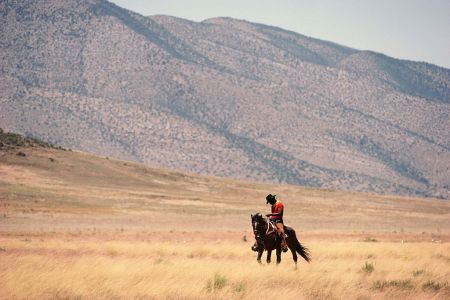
{"type": "Point", "coordinates": [303, 251]}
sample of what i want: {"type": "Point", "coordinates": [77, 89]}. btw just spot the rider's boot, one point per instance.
{"type": "Point", "coordinates": [280, 228]}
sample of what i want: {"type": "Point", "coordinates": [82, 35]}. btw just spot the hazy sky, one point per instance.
{"type": "Point", "coordinates": [408, 29]}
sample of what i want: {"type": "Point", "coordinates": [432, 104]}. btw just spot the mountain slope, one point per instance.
{"type": "Point", "coordinates": [223, 97]}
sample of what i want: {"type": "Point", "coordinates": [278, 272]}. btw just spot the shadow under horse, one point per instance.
{"type": "Point", "coordinates": [267, 238]}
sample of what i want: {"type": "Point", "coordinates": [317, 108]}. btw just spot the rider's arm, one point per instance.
{"type": "Point", "coordinates": [274, 214]}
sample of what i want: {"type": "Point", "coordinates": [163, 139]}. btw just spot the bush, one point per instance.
{"type": "Point", "coordinates": [10, 140]}
{"type": "Point", "coordinates": [433, 285]}
{"type": "Point", "coordinates": [368, 268]}
{"type": "Point", "coordinates": [370, 239]}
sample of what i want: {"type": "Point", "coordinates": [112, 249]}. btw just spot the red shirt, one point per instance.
{"type": "Point", "coordinates": [278, 207]}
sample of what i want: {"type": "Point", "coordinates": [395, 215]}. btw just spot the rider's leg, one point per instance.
{"type": "Point", "coordinates": [280, 228]}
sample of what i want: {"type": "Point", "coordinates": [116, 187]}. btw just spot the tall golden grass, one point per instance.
{"type": "Point", "coordinates": [62, 268]}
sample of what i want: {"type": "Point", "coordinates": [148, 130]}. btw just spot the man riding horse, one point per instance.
{"type": "Point", "coordinates": [269, 230]}
{"type": "Point", "coordinates": [277, 217]}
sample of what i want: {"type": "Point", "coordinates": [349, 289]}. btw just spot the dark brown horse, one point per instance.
{"type": "Point", "coordinates": [267, 238]}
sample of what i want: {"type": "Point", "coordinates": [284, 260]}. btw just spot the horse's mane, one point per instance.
{"type": "Point", "coordinates": [258, 214]}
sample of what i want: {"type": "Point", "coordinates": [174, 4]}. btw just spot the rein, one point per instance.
{"type": "Point", "coordinates": [270, 227]}
{"type": "Point", "coordinates": [261, 231]}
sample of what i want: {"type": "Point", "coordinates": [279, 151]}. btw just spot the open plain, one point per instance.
{"type": "Point", "coordinates": [77, 226]}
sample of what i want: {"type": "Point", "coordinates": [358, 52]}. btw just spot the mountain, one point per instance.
{"type": "Point", "coordinates": [224, 97]}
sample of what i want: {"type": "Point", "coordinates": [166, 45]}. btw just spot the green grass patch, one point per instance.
{"type": "Point", "coordinates": [418, 272]}
{"type": "Point", "coordinates": [240, 287]}
{"type": "Point", "coordinates": [22, 192]}
{"type": "Point", "coordinates": [400, 284]}
{"type": "Point", "coordinates": [217, 283]}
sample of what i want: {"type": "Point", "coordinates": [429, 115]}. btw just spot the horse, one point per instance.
{"type": "Point", "coordinates": [267, 238]}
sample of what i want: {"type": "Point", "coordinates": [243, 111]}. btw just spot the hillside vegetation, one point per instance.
{"type": "Point", "coordinates": [9, 141]}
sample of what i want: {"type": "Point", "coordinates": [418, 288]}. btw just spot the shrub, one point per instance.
{"type": "Point", "coordinates": [418, 272]}
{"type": "Point", "coordinates": [433, 285]}
{"type": "Point", "coordinates": [370, 239]}
{"type": "Point", "coordinates": [368, 268]}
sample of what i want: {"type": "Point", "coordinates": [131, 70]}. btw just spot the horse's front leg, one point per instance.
{"type": "Point", "coordinates": [278, 254]}
{"type": "Point", "coordinates": [269, 256]}
{"type": "Point", "coordinates": [260, 253]}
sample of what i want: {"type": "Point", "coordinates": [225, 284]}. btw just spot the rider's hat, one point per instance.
{"type": "Point", "coordinates": [270, 198]}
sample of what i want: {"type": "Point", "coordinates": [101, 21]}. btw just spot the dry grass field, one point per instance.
{"type": "Point", "coordinates": [76, 226]}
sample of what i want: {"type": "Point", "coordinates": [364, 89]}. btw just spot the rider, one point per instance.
{"type": "Point", "coordinates": [277, 217]}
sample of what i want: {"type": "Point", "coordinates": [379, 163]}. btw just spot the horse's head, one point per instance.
{"type": "Point", "coordinates": [258, 217]}
{"type": "Point", "coordinates": [257, 220]}
{"type": "Point", "coordinates": [258, 224]}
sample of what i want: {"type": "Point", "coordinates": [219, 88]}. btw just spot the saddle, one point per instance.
{"type": "Point", "coordinates": [287, 229]}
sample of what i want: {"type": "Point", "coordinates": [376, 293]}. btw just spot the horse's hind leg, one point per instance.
{"type": "Point", "coordinates": [269, 256]}
{"type": "Point", "coordinates": [278, 255]}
